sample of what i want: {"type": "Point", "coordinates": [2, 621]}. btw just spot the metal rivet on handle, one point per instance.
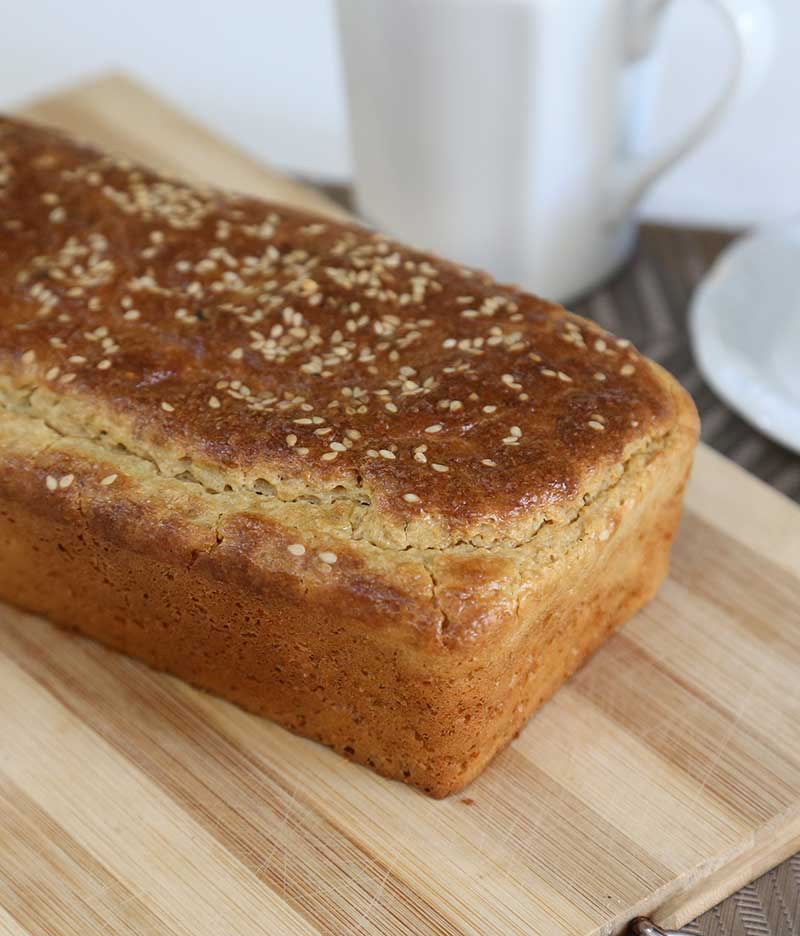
{"type": "Point", "coordinates": [641, 926]}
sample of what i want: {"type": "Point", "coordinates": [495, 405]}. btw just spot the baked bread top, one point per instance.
{"type": "Point", "coordinates": [254, 348]}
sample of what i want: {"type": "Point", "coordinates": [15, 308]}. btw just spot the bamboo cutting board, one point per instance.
{"type": "Point", "coordinates": [663, 776]}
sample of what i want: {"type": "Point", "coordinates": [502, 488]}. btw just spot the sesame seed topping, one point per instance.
{"type": "Point", "coordinates": [361, 344]}
{"type": "Point", "coordinates": [51, 483]}
{"type": "Point", "coordinates": [65, 481]}
{"type": "Point", "coordinates": [329, 558]}
{"type": "Point", "coordinates": [296, 549]}
{"type": "Point", "coordinates": [108, 480]}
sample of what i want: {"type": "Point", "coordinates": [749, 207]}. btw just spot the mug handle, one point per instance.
{"type": "Point", "coordinates": [752, 26]}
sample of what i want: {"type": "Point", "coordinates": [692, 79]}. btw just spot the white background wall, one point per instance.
{"type": "Point", "coordinates": [266, 73]}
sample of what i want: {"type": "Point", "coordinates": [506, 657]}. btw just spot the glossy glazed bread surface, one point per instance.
{"type": "Point", "coordinates": [368, 493]}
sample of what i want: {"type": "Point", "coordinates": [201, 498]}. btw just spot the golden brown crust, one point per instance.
{"type": "Point", "coordinates": [158, 492]}
{"type": "Point", "coordinates": [139, 566]}
{"type": "Point", "coordinates": [271, 347]}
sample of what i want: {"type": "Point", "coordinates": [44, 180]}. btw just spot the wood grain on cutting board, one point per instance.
{"type": "Point", "coordinates": [663, 775]}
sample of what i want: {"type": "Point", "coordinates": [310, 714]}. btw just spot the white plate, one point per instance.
{"type": "Point", "coordinates": [744, 323]}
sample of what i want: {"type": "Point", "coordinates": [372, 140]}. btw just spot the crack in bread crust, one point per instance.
{"type": "Point", "coordinates": [269, 346]}
{"type": "Point", "coordinates": [26, 403]}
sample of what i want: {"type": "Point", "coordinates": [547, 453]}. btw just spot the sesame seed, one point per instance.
{"type": "Point", "coordinates": [385, 453]}
{"type": "Point", "coordinates": [597, 426]}
{"type": "Point", "coordinates": [131, 315]}
{"type": "Point", "coordinates": [338, 447]}
{"type": "Point", "coordinates": [329, 456]}
{"type": "Point", "coordinates": [391, 407]}
{"type": "Point", "coordinates": [214, 402]}
{"type": "Point", "coordinates": [623, 343]}
{"type": "Point", "coordinates": [599, 375]}
{"type": "Point", "coordinates": [515, 431]}
{"type": "Point", "coordinates": [51, 483]}
{"type": "Point", "coordinates": [604, 535]}
{"type": "Point", "coordinates": [627, 369]}
{"type": "Point", "coordinates": [600, 345]}
{"type": "Point", "coordinates": [565, 377]}
{"type": "Point", "coordinates": [489, 409]}
{"type": "Point", "coordinates": [411, 498]}
{"type": "Point", "coordinates": [167, 407]}
{"type": "Point", "coordinates": [488, 462]}
{"type": "Point", "coordinates": [237, 354]}
{"type": "Point", "coordinates": [436, 427]}
{"type": "Point", "coordinates": [108, 480]}
{"type": "Point", "coordinates": [52, 373]}
{"type": "Point", "coordinates": [440, 468]}
{"type": "Point", "coordinates": [291, 440]}
{"type": "Point", "coordinates": [547, 372]}
{"type": "Point", "coordinates": [296, 549]}
{"type": "Point", "coordinates": [29, 357]}
{"type": "Point", "coordinates": [65, 482]}
{"type": "Point", "coordinates": [328, 557]}
{"type": "Point", "coordinates": [104, 364]}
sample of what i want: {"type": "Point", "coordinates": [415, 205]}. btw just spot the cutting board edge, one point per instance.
{"type": "Point", "coordinates": [733, 874]}
{"type": "Point", "coordinates": [742, 867]}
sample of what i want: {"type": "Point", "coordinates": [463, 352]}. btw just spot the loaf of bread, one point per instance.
{"type": "Point", "coordinates": [370, 494]}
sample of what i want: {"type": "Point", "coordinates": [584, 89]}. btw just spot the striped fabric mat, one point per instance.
{"type": "Point", "coordinates": [769, 906]}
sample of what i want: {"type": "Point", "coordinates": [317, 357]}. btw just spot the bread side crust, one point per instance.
{"type": "Point", "coordinates": [422, 669]}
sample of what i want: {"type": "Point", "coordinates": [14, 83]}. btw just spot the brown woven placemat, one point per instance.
{"type": "Point", "coordinates": [647, 302]}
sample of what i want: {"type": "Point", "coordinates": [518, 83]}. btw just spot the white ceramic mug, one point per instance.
{"type": "Point", "coordinates": [499, 132]}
